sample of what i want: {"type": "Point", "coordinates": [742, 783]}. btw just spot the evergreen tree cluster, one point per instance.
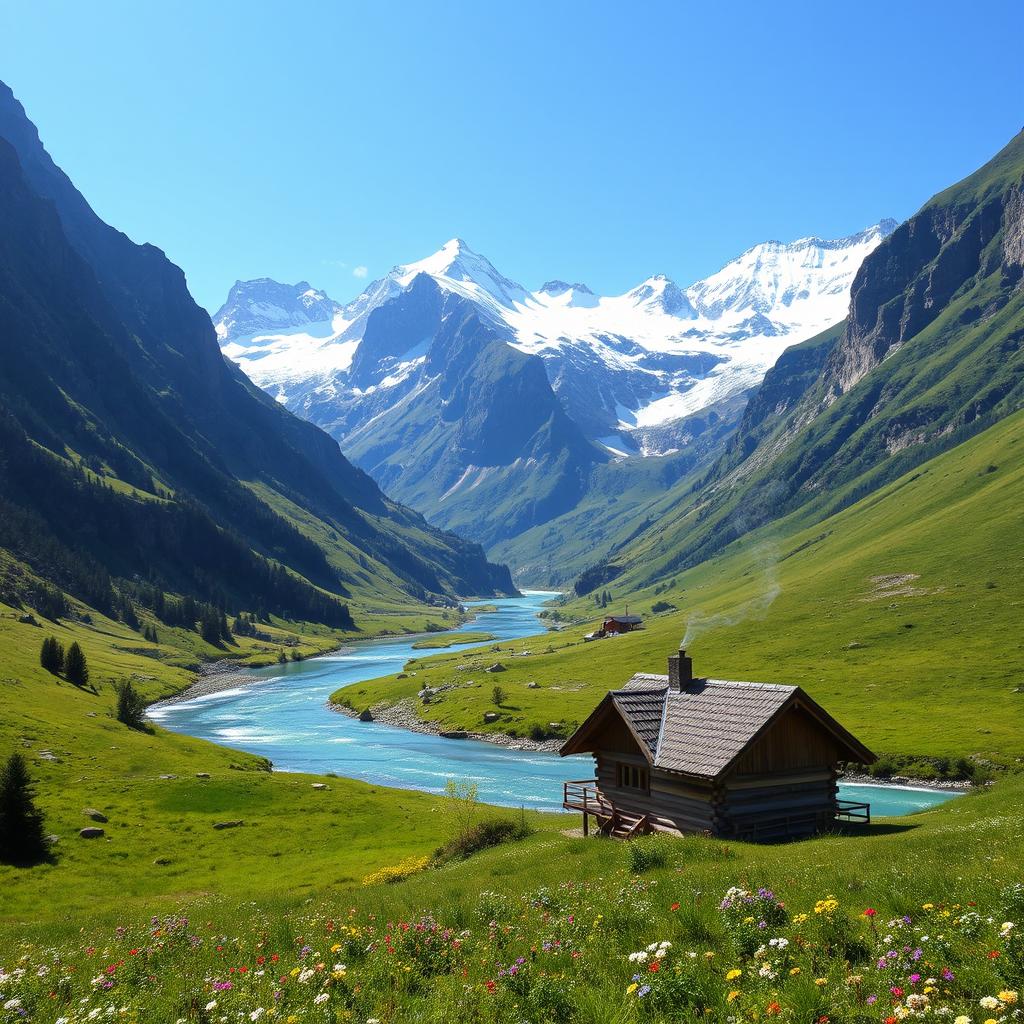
{"type": "Point", "coordinates": [51, 655]}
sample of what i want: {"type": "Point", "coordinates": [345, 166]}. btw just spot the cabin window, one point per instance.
{"type": "Point", "coordinates": [628, 776]}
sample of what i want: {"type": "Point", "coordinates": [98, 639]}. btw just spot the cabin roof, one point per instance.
{"type": "Point", "coordinates": [627, 620]}
{"type": "Point", "coordinates": [703, 729]}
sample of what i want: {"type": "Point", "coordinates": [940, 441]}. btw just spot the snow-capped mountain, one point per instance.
{"type": "Point", "coordinates": [264, 305]}
{"type": "Point", "coordinates": [631, 371]}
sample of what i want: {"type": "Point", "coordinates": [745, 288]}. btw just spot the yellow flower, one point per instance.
{"type": "Point", "coordinates": [927, 906]}
{"type": "Point", "coordinates": [732, 995]}
{"type": "Point", "coordinates": [748, 920]}
{"type": "Point", "coordinates": [799, 919]}
{"type": "Point", "coordinates": [794, 970]}
{"type": "Point", "coordinates": [295, 972]}
{"type": "Point", "coordinates": [336, 947]}
{"type": "Point", "coordinates": [821, 982]}
{"type": "Point", "coordinates": [1008, 996]}
{"type": "Point", "coordinates": [709, 955]}
{"type": "Point", "coordinates": [733, 974]}
{"type": "Point", "coordinates": [631, 989]}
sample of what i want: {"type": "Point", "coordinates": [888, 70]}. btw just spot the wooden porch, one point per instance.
{"type": "Point", "coordinates": [583, 795]}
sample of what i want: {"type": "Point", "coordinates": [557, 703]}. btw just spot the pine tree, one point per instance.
{"type": "Point", "coordinates": [22, 837]}
{"type": "Point", "coordinates": [51, 655]}
{"type": "Point", "coordinates": [76, 668]}
{"type": "Point", "coordinates": [131, 706]}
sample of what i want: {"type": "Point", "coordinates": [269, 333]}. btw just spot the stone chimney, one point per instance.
{"type": "Point", "coordinates": [680, 671]}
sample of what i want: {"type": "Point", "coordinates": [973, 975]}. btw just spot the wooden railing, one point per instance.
{"type": "Point", "coordinates": [851, 810]}
{"type": "Point", "coordinates": [583, 795]}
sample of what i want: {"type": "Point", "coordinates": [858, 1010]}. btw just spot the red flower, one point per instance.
{"type": "Point", "coordinates": [654, 967]}
{"type": "Point", "coordinates": [674, 907]}
{"type": "Point", "coordinates": [491, 986]}
{"type": "Point", "coordinates": [994, 954]}
{"type": "Point", "coordinates": [870, 912]}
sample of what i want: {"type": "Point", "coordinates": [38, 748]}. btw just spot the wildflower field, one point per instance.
{"type": "Point", "coordinates": [923, 920]}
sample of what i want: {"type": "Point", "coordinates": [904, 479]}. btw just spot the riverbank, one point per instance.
{"type": "Point", "coordinates": [402, 715]}
{"type": "Point", "coordinates": [908, 782]}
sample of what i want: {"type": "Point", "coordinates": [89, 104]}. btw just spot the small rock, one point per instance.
{"type": "Point", "coordinates": [92, 832]}
{"type": "Point", "coordinates": [533, 686]}
{"type": "Point", "coordinates": [202, 775]}
{"type": "Point", "coordinates": [91, 812]}
{"type": "Point", "coordinates": [227, 824]}
{"type": "Point", "coordinates": [496, 667]}
{"type": "Point", "coordinates": [52, 840]}
{"type": "Point", "coordinates": [491, 716]}
{"type": "Point", "coordinates": [365, 715]}
{"type": "Point", "coordinates": [47, 755]}
{"type": "Point", "coordinates": [162, 862]}
{"type": "Point", "coordinates": [320, 785]}
{"type": "Point", "coordinates": [168, 776]}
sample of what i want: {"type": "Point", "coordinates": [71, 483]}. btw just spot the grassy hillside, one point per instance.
{"type": "Point", "coordinates": [895, 614]}
{"type": "Point", "coordinates": [551, 929]}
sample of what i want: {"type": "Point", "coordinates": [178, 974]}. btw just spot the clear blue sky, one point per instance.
{"type": "Point", "coordinates": [590, 141]}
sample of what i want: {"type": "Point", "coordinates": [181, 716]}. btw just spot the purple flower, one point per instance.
{"type": "Point", "coordinates": [947, 974]}
{"type": "Point", "coordinates": [917, 954]}
{"type": "Point", "coordinates": [871, 1000]}
{"type": "Point", "coordinates": [642, 991]}
{"type": "Point", "coordinates": [915, 978]}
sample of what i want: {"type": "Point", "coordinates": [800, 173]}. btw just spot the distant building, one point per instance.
{"type": "Point", "coordinates": [622, 623]}
{"type": "Point", "coordinates": [678, 754]}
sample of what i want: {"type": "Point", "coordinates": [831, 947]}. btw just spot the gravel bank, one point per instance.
{"type": "Point", "coordinates": [403, 715]}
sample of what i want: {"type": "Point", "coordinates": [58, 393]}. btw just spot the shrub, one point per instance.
{"type": "Point", "coordinates": [662, 606]}
{"type": "Point", "coordinates": [76, 668]}
{"type": "Point", "coordinates": [131, 706]}
{"type": "Point", "coordinates": [482, 836]}
{"type": "Point", "coordinates": [498, 696]}
{"type": "Point", "coordinates": [647, 853]}
{"type": "Point", "coordinates": [22, 837]}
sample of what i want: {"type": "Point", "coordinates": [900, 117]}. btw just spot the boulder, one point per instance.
{"type": "Point", "coordinates": [496, 667]}
{"type": "Point", "coordinates": [320, 785]}
{"type": "Point", "coordinates": [491, 716]}
{"type": "Point", "coordinates": [168, 776]}
{"type": "Point", "coordinates": [365, 715]}
{"type": "Point", "coordinates": [227, 824]}
{"type": "Point", "coordinates": [91, 812]}
{"type": "Point", "coordinates": [533, 686]}
{"type": "Point", "coordinates": [162, 862]}
{"type": "Point", "coordinates": [202, 775]}
{"type": "Point", "coordinates": [92, 832]}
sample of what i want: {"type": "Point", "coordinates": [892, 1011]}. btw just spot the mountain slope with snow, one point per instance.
{"type": "Point", "coordinates": [630, 371]}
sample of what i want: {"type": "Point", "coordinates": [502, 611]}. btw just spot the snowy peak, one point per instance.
{"type": "Point", "coordinates": [456, 267]}
{"type": "Point", "coordinates": [774, 278]}
{"type": "Point", "coordinates": [264, 305]}
{"type": "Point", "coordinates": [661, 294]}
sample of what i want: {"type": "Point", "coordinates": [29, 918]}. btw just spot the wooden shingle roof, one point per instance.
{"type": "Point", "coordinates": [702, 729]}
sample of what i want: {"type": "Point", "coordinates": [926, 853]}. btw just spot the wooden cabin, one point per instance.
{"type": "Point", "coordinates": [743, 760]}
{"type": "Point", "coordinates": [622, 624]}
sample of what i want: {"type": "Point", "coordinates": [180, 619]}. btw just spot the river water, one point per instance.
{"type": "Point", "coordinates": [284, 717]}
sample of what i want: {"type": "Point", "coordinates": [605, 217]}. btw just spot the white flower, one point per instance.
{"type": "Point", "coordinates": [779, 943]}
{"type": "Point", "coordinates": [257, 1013]}
{"type": "Point", "coordinates": [962, 1019]}
{"type": "Point", "coordinates": [211, 1005]}
{"type": "Point", "coordinates": [1005, 928]}
{"type": "Point", "coordinates": [12, 1004]}
{"type": "Point", "coordinates": [321, 998]}
{"type": "Point", "coordinates": [989, 1003]}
